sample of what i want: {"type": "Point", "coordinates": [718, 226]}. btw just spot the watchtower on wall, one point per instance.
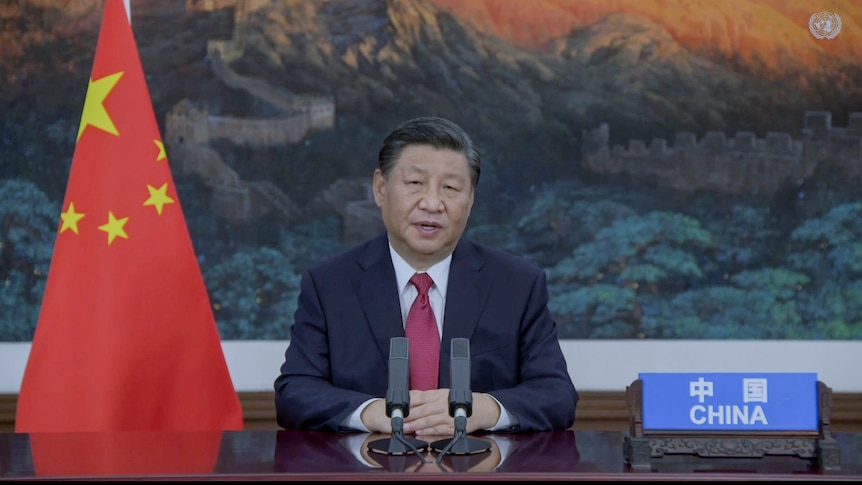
{"type": "Point", "coordinates": [834, 147]}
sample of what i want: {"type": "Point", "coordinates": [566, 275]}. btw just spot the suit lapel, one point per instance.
{"type": "Point", "coordinates": [465, 298]}
{"type": "Point", "coordinates": [378, 294]}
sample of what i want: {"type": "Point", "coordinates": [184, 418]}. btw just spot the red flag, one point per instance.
{"type": "Point", "coordinates": [126, 338]}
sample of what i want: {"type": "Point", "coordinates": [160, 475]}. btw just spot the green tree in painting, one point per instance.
{"type": "Point", "coordinates": [33, 141]}
{"type": "Point", "coordinates": [830, 249]}
{"type": "Point", "coordinates": [253, 294]}
{"type": "Point", "coordinates": [753, 304]}
{"type": "Point", "coordinates": [28, 223]}
{"type": "Point", "coordinates": [834, 310]}
{"type": "Point", "coordinates": [595, 311]}
{"type": "Point", "coordinates": [601, 288]}
{"type": "Point", "coordinates": [306, 243]}
{"type": "Point", "coordinates": [560, 220]}
{"type": "Point", "coordinates": [744, 237]}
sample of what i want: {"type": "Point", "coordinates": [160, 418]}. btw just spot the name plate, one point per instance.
{"type": "Point", "coordinates": [729, 401]}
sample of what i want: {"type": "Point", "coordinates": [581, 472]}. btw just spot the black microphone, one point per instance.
{"type": "Point", "coordinates": [460, 396]}
{"type": "Point", "coordinates": [460, 404]}
{"type": "Point", "coordinates": [398, 403]}
{"type": "Point", "coordinates": [398, 393]}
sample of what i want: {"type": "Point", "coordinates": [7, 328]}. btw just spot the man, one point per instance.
{"type": "Point", "coordinates": [335, 372]}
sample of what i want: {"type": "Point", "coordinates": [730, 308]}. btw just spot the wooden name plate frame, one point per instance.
{"type": "Point", "coordinates": [642, 446]}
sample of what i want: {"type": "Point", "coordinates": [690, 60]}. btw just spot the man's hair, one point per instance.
{"type": "Point", "coordinates": [432, 131]}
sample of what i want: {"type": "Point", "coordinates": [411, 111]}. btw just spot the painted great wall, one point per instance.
{"type": "Point", "coordinates": [739, 164]}
{"type": "Point", "coordinates": [190, 129]}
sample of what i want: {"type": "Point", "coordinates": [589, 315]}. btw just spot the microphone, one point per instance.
{"type": "Point", "coordinates": [398, 393]}
{"type": "Point", "coordinates": [460, 396]}
{"type": "Point", "coordinates": [460, 404]}
{"type": "Point", "coordinates": [398, 403]}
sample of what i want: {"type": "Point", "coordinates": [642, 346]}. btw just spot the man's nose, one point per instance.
{"type": "Point", "coordinates": [431, 200]}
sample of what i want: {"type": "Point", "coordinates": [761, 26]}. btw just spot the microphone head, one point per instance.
{"type": "Point", "coordinates": [460, 348]}
{"type": "Point", "coordinates": [399, 348]}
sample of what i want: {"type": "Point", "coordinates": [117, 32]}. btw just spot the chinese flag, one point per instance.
{"type": "Point", "coordinates": [126, 338]}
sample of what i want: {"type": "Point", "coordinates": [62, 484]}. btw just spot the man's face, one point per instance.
{"type": "Point", "coordinates": [425, 202]}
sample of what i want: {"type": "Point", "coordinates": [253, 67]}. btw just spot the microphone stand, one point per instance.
{"type": "Point", "coordinates": [460, 444]}
{"type": "Point", "coordinates": [398, 444]}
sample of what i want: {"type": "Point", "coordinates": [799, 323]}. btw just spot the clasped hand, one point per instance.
{"type": "Point", "coordinates": [429, 414]}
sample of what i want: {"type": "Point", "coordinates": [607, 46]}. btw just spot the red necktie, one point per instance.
{"type": "Point", "coordinates": [421, 331]}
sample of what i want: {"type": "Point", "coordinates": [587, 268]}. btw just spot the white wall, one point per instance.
{"type": "Point", "coordinates": [595, 365]}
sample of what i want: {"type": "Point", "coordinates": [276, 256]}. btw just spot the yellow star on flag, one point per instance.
{"type": "Point", "coordinates": [70, 219]}
{"type": "Point", "coordinates": [162, 155]}
{"type": "Point", "coordinates": [114, 227]}
{"type": "Point", "coordinates": [158, 197]}
{"type": "Point", "coordinates": [95, 113]}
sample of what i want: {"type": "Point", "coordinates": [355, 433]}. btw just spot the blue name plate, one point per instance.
{"type": "Point", "coordinates": [730, 401]}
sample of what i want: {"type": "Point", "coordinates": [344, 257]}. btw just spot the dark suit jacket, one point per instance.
{"type": "Point", "coordinates": [349, 308]}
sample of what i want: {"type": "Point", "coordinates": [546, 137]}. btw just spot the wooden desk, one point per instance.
{"type": "Point", "coordinates": [293, 455]}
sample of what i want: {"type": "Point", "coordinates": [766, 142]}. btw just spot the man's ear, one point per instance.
{"type": "Point", "coordinates": [378, 186]}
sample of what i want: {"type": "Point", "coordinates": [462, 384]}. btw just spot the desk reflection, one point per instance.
{"type": "Point", "coordinates": [594, 455]}
{"type": "Point", "coordinates": [337, 453]}
{"type": "Point", "coordinates": [124, 453]}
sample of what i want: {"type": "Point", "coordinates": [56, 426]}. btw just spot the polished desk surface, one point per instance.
{"type": "Point", "coordinates": [250, 455]}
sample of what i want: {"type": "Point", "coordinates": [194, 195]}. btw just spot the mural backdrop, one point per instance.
{"type": "Point", "coordinates": [681, 169]}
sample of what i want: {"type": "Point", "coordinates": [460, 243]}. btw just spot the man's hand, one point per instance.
{"type": "Point", "coordinates": [375, 419]}
{"type": "Point", "coordinates": [429, 413]}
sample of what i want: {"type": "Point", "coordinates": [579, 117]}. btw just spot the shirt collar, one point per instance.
{"type": "Point", "coordinates": [403, 272]}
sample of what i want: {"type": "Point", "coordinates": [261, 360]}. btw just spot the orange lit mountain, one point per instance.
{"type": "Point", "coordinates": [526, 76]}
{"type": "Point", "coordinates": [769, 36]}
